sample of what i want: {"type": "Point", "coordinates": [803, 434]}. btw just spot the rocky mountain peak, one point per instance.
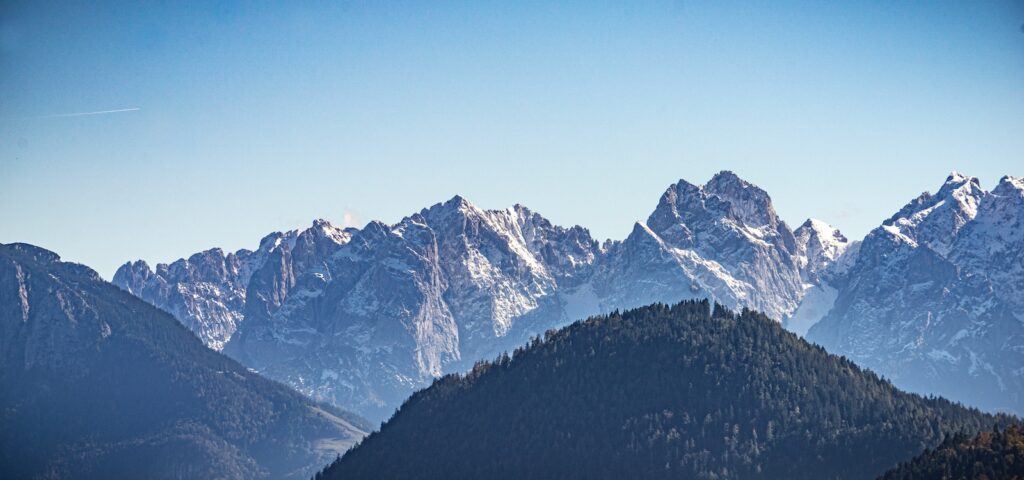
{"type": "Point", "coordinates": [458, 203]}
{"type": "Point", "coordinates": [1009, 186]}
{"type": "Point", "coordinates": [750, 204]}
{"type": "Point", "coordinates": [38, 254]}
{"type": "Point", "coordinates": [275, 240]}
{"type": "Point", "coordinates": [683, 207]}
{"type": "Point", "coordinates": [323, 229]}
{"type": "Point", "coordinates": [721, 240]}
{"type": "Point", "coordinates": [956, 178]}
{"type": "Point", "coordinates": [452, 213]}
{"type": "Point", "coordinates": [818, 246]}
{"type": "Point", "coordinates": [965, 191]}
{"type": "Point", "coordinates": [642, 235]}
{"type": "Point", "coordinates": [686, 208]}
{"type": "Point", "coordinates": [522, 210]}
{"type": "Point", "coordinates": [934, 220]}
{"type": "Point", "coordinates": [820, 231]}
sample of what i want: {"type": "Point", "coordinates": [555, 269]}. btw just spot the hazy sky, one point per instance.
{"type": "Point", "coordinates": [213, 124]}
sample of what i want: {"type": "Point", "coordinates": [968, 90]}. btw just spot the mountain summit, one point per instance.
{"type": "Point", "coordinates": [721, 240]}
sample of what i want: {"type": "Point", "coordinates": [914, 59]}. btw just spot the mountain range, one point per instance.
{"type": "Point", "coordinates": [95, 383]}
{"type": "Point", "coordinates": [362, 317]}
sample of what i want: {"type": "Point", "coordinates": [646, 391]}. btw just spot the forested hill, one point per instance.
{"type": "Point", "coordinates": [659, 392]}
{"type": "Point", "coordinates": [95, 383]}
{"type": "Point", "coordinates": [992, 455]}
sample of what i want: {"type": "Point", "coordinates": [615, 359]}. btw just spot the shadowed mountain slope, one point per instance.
{"type": "Point", "coordinates": [95, 383]}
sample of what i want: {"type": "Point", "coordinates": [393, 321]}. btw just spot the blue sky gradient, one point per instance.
{"type": "Point", "coordinates": [255, 117]}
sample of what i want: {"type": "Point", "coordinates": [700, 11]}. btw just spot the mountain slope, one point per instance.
{"type": "Point", "coordinates": [659, 392]}
{"type": "Point", "coordinates": [988, 456]}
{"type": "Point", "coordinates": [95, 383]}
{"type": "Point", "coordinates": [933, 298]}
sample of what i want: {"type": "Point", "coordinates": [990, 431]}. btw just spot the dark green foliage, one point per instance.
{"type": "Point", "coordinates": [994, 455]}
{"type": "Point", "coordinates": [95, 383]}
{"type": "Point", "coordinates": [659, 392]}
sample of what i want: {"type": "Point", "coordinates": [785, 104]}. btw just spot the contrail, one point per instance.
{"type": "Point", "coordinates": [82, 114]}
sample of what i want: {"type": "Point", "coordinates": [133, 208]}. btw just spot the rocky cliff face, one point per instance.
{"type": "Point", "coordinates": [932, 300]}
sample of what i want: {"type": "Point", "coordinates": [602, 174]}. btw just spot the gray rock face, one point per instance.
{"type": "Point", "coordinates": [933, 297]}
{"type": "Point", "coordinates": [363, 317]}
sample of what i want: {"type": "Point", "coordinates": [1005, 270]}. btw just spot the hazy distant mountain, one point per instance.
{"type": "Point", "coordinates": [364, 317]}
{"type": "Point", "coordinates": [95, 383]}
{"type": "Point", "coordinates": [934, 298]}
{"type": "Point", "coordinates": [659, 392]}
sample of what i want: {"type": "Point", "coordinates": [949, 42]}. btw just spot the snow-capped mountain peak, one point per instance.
{"type": "Point", "coordinates": [818, 246]}
{"type": "Point", "coordinates": [721, 240]}
{"type": "Point", "coordinates": [324, 228]}
{"type": "Point", "coordinates": [934, 220]}
{"type": "Point", "coordinates": [1009, 186]}
{"type": "Point", "coordinates": [824, 236]}
{"type": "Point", "coordinates": [455, 205]}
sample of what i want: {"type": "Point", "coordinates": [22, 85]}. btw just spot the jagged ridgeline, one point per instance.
{"type": "Point", "coordinates": [95, 383]}
{"type": "Point", "coordinates": [683, 391]}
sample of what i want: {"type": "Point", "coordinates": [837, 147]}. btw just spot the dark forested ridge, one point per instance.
{"type": "Point", "coordinates": [659, 392]}
{"type": "Point", "coordinates": [993, 455]}
{"type": "Point", "coordinates": [95, 383]}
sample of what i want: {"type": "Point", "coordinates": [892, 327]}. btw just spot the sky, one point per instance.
{"type": "Point", "coordinates": [157, 130]}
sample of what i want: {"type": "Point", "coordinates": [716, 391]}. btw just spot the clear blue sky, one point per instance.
{"type": "Point", "coordinates": [258, 117]}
